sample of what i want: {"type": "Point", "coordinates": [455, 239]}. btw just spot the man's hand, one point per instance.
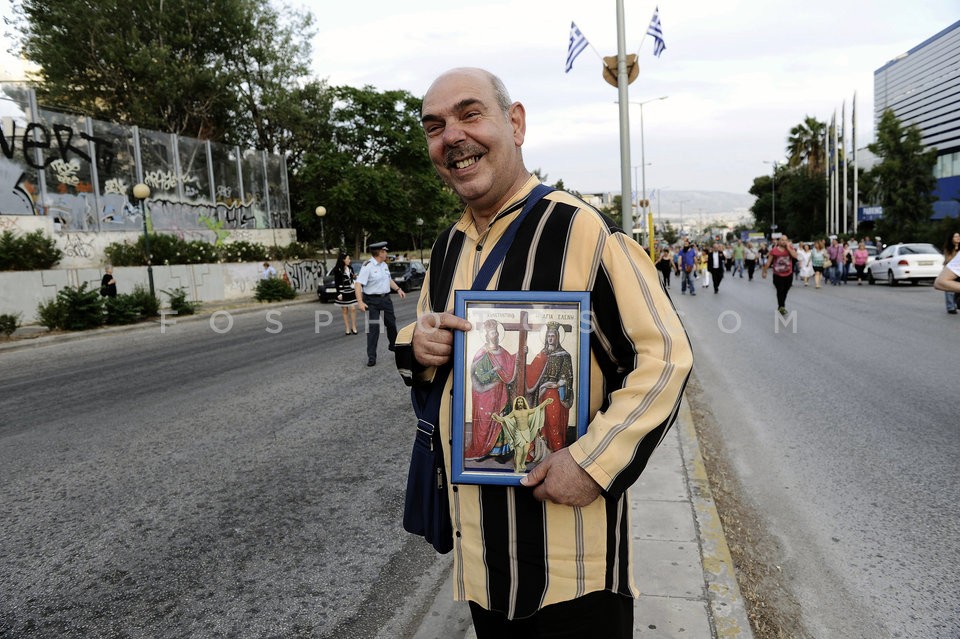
{"type": "Point", "coordinates": [561, 480]}
{"type": "Point", "coordinates": [361, 306]}
{"type": "Point", "coordinates": [401, 293]}
{"type": "Point", "coordinates": [433, 337]}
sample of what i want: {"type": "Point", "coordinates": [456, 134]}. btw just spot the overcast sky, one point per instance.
{"type": "Point", "coordinates": [739, 74]}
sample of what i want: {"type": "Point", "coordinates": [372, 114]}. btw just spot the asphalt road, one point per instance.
{"type": "Point", "coordinates": [842, 425]}
{"type": "Point", "coordinates": [208, 482]}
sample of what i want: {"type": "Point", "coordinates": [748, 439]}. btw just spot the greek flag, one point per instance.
{"type": "Point", "coordinates": [657, 33]}
{"type": "Point", "coordinates": [577, 44]}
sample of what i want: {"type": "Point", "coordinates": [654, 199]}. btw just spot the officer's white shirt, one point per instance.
{"type": "Point", "coordinates": [374, 277]}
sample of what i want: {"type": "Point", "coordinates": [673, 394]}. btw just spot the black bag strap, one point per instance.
{"type": "Point", "coordinates": [500, 250]}
{"type": "Point", "coordinates": [426, 405]}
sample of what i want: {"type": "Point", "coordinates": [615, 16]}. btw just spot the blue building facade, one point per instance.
{"type": "Point", "coordinates": [922, 86]}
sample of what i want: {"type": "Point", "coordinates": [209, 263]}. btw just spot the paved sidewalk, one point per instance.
{"type": "Point", "coordinates": [682, 563]}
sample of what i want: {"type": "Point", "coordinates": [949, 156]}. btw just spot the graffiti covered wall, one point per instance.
{"type": "Point", "coordinates": [80, 173]}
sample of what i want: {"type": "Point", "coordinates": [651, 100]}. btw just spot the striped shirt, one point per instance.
{"type": "Point", "coordinates": [513, 553]}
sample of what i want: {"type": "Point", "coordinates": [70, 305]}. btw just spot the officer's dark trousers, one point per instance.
{"type": "Point", "coordinates": [379, 315]}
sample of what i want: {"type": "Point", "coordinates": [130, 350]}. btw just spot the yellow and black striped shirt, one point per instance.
{"type": "Point", "coordinates": [513, 553]}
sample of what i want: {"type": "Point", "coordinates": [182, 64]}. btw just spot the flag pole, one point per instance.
{"type": "Point", "coordinates": [844, 147]}
{"type": "Point", "coordinates": [856, 194]}
{"type": "Point", "coordinates": [622, 83]}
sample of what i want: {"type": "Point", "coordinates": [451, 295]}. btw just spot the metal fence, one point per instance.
{"type": "Point", "coordinates": [81, 172]}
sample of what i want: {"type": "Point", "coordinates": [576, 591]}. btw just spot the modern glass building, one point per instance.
{"type": "Point", "coordinates": [922, 86]}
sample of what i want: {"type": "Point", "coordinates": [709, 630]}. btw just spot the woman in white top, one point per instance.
{"type": "Point", "coordinates": [804, 261]}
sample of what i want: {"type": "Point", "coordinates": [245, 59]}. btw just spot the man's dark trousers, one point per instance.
{"type": "Point", "coordinates": [377, 304]}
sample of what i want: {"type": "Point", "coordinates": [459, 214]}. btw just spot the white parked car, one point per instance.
{"type": "Point", "coordinates": [906, 262]}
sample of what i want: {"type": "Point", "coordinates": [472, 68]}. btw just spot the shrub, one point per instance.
{"type": "Point", "coordinates": [243, 252]}
{"type": "Point", "coordinates": [179, 303]}
{"type": "Point", "coordinates": [79, 309]}
{"type": "Point", "coordinates": [51, 314]}
{"type": "Point", "coordinates": [293, 251]}
{"type": "Point", "coordinates": [274, 289]}
{"type": "Point", "coordinates": [170, 249]}
{"type": "Point", "coordinates": [28, 252]}
{"type": "Point", "coordinates": [9, 322]}
{"type": "Point", "coordinates": [122, 309]}
{"type": "Point", "coordinates": [149, 304]}
{"type": "Point", "coordinates": [124, 254]}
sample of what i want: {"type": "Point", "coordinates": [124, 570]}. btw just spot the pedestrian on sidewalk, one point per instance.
{"type": "Point", "coordinates": [688, 262]}
{"type": "Point", "coordinates": [665, 265]}
{"type": "Point", "coordinates": [268, 272]}
{"type": "Point", "coordinates": [805, 263]}
{"type": "Point", "coordinates": [781, 260]}
{"type": "Point", "coordinates": [108, 284]}
{"type": "Point", "coordinates": [750, 260]}
{"type": "Point", "coordinates": [835, 254]}
{"type": "Point", "coordinates": [949, 279]}
{"type": "Point", "coordinates": [346, 299]}
{"type": "Point", "coordinates": [715, 266]}
{"type": "Point", "coordinates": [951, 248]}
{"type": "Point", "coordinates": [738, 256]}
{"type": "Point", "coordinates": [550, 556]}
{"type": "Point", "coordinates": [372, 288]}
{"type": "Point", "coordinates": [702, 271]}
{"type": "Point", "coordinates": [860, 257]}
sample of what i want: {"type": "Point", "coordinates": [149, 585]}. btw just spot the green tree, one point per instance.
{"type": "Point", "coordinates": [372, 172]}
{"type": "Point", "coordinates": [805, 146]}
{"type": "Point", "coordinates": [799, 199]}
{"type": "Point", "coordinates": [903, 180]}
{"type": "Point", "coordinates": [218, 70]}
{"type": "Point", "coordinates": [669, 233]}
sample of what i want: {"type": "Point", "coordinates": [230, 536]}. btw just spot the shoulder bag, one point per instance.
{"type": "Point", "coordinates": [426, 508]}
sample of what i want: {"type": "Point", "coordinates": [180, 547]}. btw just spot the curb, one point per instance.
{"type": "Point", "coordinates": [727, 606]}
{"type": "Point", "coordinates": [246, 305]}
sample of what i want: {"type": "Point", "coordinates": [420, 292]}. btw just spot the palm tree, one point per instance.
{"type": "Point", "coordinates": [805, 145]}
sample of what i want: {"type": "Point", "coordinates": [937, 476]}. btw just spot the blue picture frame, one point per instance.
{"type": "Point", "coordinates": [501, 407]}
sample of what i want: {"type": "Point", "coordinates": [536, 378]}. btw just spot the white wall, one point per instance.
{"type": "Point", "coordinates": [22, 291]}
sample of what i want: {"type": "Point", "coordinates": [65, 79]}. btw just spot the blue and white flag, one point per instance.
{"type": "Point", "coordinates": [577, 44]}
{"type": "Point", "coordinates": [657, 33]}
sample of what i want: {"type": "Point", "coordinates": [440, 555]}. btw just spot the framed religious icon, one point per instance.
{"type": "Point", "coordinates": [520, 381]}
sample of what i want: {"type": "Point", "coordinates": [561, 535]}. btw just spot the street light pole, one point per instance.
{"type": "Point", "coordinates": [141, 192]}
{"type": "Point", "coordinates": [773, 197]}
{"type": "Point", "coordinates": [420, 239]}
{"type": "Point", "coordinates": [643, 162]}
{"type": "Point", "coordinates": [321, 212]}
{"type": "Point", "coordinates": [681, 215]}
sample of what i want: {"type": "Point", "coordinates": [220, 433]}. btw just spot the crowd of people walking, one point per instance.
{"type": "Point", "coordinates": [823, 263]}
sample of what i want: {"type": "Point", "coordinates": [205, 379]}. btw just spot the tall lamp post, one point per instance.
{"type": "Point", "coordinates": [141, 192]}
{"type": "Point", "coordinates": [420, 238]}
{"type": "Point", "coordinates": [321, 212]}
{"type": "Point", "coordinates": [681, 215]}
{"type": "Point", "coordinates": [643, 162]}
{"type": "Point", "coordinates": [773, 197]}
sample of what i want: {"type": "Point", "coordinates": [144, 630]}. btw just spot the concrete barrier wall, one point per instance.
{"type": "Point", "coordinates": [22, 291]}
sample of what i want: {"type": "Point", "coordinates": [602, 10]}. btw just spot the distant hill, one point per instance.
{"type": "Point", "coordinates": [712, 203]}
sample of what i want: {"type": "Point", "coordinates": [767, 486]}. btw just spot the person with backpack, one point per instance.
{"type": "Point", "coordinates": [781, 259]}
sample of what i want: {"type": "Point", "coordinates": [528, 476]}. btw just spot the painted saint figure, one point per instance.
{"type": "Point", "coordinates": [521, 429]}
{"type": "Point", "coordinates": [550, 376]}
{"type": "Point", "coordinates": [492, 369]}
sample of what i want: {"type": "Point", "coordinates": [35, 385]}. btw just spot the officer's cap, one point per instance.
{"type": "Point", "coordinates": [377, 246]}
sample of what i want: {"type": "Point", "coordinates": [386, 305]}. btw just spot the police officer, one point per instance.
{"type": "Point", "coordinates": [373, 286]}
